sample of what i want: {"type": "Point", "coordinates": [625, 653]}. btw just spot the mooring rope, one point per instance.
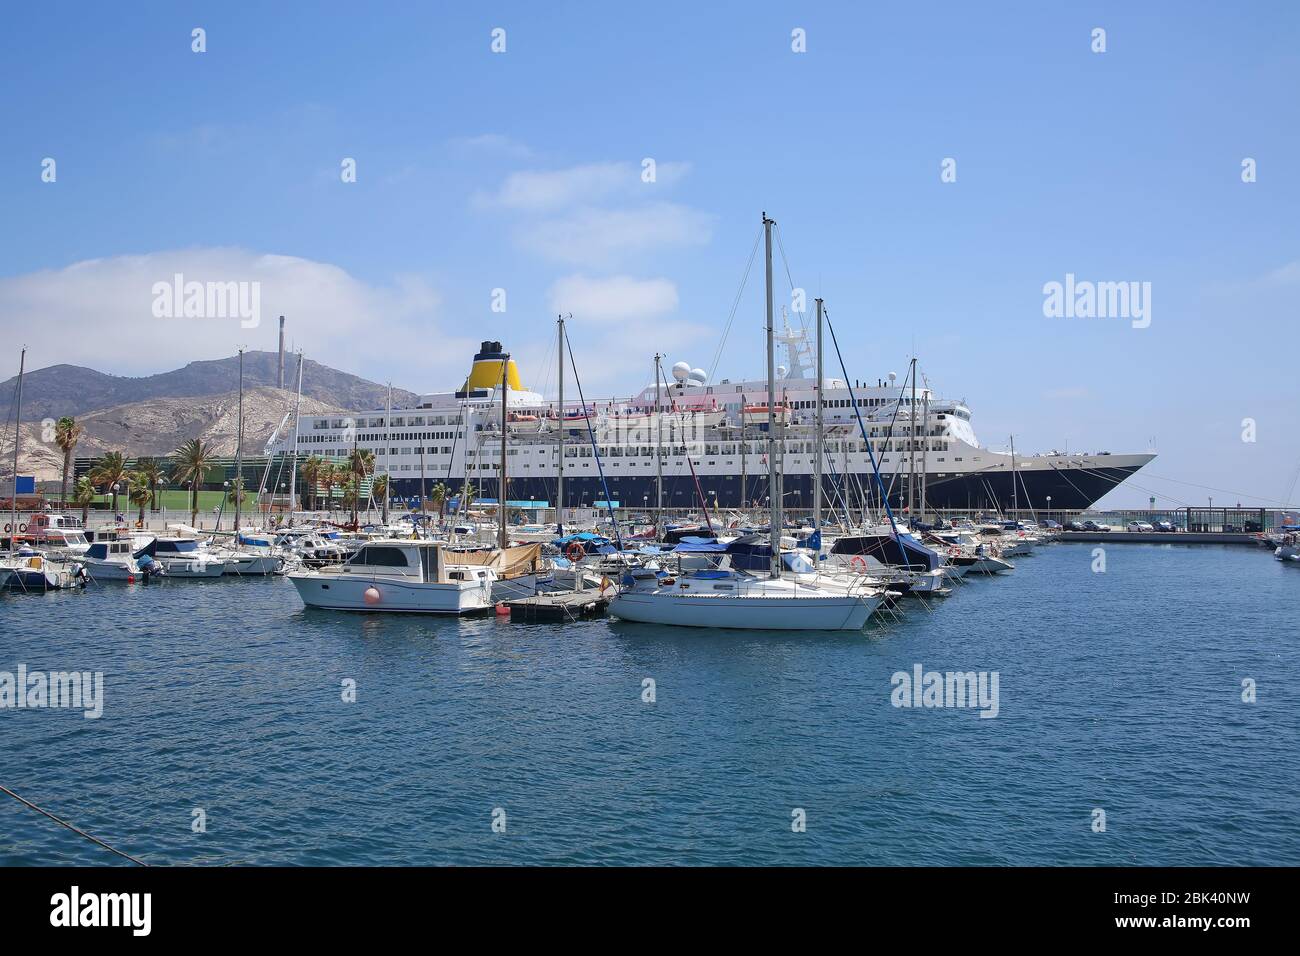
{"type": "Point", "coordinates": [74, 829]}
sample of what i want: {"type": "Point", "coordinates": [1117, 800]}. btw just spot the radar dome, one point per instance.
{"type": "Point", "coordinates": [892, 377]}
{"type": "Point", "coordinates": [780, 371]}
{"type": "Point", "coordinates": [681, 371]}
{"type": "Point", "coordinates": [698, 375]}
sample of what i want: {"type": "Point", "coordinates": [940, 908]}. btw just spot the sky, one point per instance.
{"type": "Point", "coordinates": [932, 169]}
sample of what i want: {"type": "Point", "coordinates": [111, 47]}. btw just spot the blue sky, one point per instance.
{"type": "Point", "coordinates": [520, 171]}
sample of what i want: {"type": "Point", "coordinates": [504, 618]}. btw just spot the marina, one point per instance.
{"type": "Point", "coordinates": [244, 717]}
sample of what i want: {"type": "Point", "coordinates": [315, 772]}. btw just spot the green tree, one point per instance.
{"type": "Point", "coordinates": [139, 491]}
{"type": "Point", "coordinates": [190, 465]}
{"type": "Point", "coordinates": [83, 494]}
{"type": "Point", "coordinates": [109, 472]}
{"type": "Point", "coordinates": [310, 471]}
{"type": "Point", "coordinates": [154, 474]}
{"type": "Point", "coordinates": [66, 435]}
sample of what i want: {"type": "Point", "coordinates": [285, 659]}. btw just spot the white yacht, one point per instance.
{"type": "Point", "coordinates": [402, 575]}
{"type": "Point", "coordinates": [113, 560]}
{"type": "Point", "coordinates": [187, 558]}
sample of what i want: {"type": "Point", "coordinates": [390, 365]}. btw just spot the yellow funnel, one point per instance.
{"type": "Point", "coordinates": [486, 371]}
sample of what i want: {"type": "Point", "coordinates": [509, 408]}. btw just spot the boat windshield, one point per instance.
{"type": "Point", "coordinates": [177, 547]}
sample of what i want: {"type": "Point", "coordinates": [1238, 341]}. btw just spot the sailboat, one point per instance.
{"type": "Point", "coordinates": [737, 598]}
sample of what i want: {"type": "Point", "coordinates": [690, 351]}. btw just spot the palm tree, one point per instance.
{"type": "Point", "coordinates": [379, 489]}
{"type": "Point", "coordinates": [438, 495]}
{"type": "Point", "coordinates": [328, 478]}
{"type": "Point", "coordinates": [360, 463]}
{"type": "Point", "coordinates": [237, 495]}
{"type": "Point", "coordinates": [83, 494]}
{"type": "Point", "coordinates": [139, 491]}
{"type": "Point", "coordinates": [66, 435]}
{"type": "Point", "coordinates": [311, 474]}
{"type": "Point", "coordinates": [153, 472]}
{"type": "Point", "coordinates": [466, 494]}
{"type": "Point", "coordinates": [190, 464]}
{"type": "Point", "coordinates": [109, 471]}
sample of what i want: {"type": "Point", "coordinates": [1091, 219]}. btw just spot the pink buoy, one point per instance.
{"type": "Point", "coordinates": [502, 610]}
{"type": "Point", "coordinates": [372, 595]}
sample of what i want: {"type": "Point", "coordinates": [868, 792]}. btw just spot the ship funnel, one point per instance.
{"type": "Point", "coordinates": [486, 371]}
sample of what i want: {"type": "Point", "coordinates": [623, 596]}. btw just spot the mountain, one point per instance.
{"type": "Point", "coordinates": [159, 426]}
{"type": "Point", "coordinates": [60, 390]}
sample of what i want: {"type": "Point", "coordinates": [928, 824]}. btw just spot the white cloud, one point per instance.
{"type": "Point", "coordinates": [615, 298]}
{"type": "Point", "coordinates": [605, 237]}
{"type": "Point", "coordinates": [540, 190]}
{"type": "Point", "coordinates": [98, 313]}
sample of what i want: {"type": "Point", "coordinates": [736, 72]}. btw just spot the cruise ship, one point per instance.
{"type": "Point", "coordinates": [713, 442]}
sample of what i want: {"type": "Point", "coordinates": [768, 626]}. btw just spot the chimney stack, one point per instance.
{"type": "Point", "coordinates": [280, 380]}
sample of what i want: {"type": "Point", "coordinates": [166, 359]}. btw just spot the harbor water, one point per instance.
{"type": "Point", "coordinates": [224, 705]}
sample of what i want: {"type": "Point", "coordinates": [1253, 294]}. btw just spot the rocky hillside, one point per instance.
{"type": "Point", "coordinates": [72, 390]}
{"type": "Point", "coordinates": [158, 426]}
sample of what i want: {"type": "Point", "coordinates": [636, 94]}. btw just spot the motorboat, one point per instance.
{"type": "Point", "coordinates": [398, 575]}
{"type": "Point", "coordinates": [187, 558]}
{"type": "Point", "coordinates": [29, 570]}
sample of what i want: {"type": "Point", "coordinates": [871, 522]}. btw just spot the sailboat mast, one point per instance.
{"type": "Point", "coordinates": [501, 484]}
{"type": "Point", "coordinates": [239, 447]}
{"type": "Point", "coordinates": [817, 471]}
{"type": "Point", "coordinates": [925, 448]}
{"type": "Point", "coordinates": [293, 468]}
{"type": "Point", "coordinates": [18, 434]}
{"type": "Point", "coordinates": [559, 440]}
{"type": "Point", "coordinates": [659, 443]}
{"type": "Point", "coordinates": [388, 471]}
{"type": "Point", "coordinates": [911, 467]}
{"type": "Point", "coordinates": [1015, 499]}
{"type": "Point", "coordinates": [774, 496]}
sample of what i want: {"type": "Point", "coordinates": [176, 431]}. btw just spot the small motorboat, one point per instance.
{"type": "Point", "coordinates": [400, 575]}
{"type": "Point", "coordinates": [33, 571]}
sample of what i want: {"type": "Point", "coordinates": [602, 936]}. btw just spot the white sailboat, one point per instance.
{"type": "Point", "coordinates": [740, 599]}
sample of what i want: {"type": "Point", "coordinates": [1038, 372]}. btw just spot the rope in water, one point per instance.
{"type": "Point", "coordinates": [74, 829]}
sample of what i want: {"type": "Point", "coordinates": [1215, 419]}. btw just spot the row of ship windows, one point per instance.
{"type": "Point", "coordinates": [647, 451]}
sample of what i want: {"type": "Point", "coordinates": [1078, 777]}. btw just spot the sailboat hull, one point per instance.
{"type": "Point", "coordinates": [828, 613]}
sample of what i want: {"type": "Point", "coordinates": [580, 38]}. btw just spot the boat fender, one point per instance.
{"type": "Point", "coordinates": [371, 595]}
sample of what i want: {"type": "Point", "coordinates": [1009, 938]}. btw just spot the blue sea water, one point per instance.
{"type": "Point", "coordinates": [1119, 691]}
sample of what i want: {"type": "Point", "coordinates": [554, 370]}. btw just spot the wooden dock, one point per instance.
{"type": "Point", "coordinates": [561, 607]}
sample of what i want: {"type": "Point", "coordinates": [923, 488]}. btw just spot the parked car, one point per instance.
{"type": "Point", "coordinates": [1140, 526]}
{"type": "Point", "coordinates": [1049, 524]}
{"type": "Point", "coordinates": [1163, 526]}
{"type": "Point", "coordinates": [1091, 525]}
{"type": "Point", "coordinates": [1074, 526]}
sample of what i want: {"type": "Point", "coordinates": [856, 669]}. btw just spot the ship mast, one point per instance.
{"type": "Point", "coordinates": [817, 471]}
{"type": "Point", "coordinates": [911, 467]}
{"type": "Point", "coordinates": [293, 468]}
{"type": "Point", "coordinates": [388, 470]}
{"type": "Point", "coordinates": [502, 540]}
{"type": "Point", "coordinates": [559, 441]}
{"type": "Point", "coordinates": [773, 492]}
{"type": "Point", "coordinates": [18, 434]}
{"type": "Point", "coordinates": [659, 441]}
{"type": "Point", "coordinates": [239, 447]}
